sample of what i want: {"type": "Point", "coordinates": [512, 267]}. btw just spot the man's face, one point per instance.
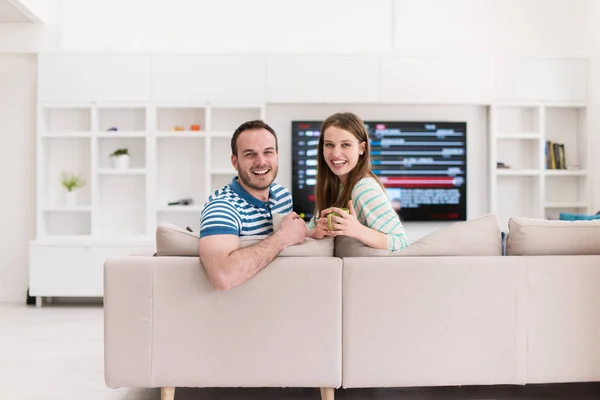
{"type": "Point", "coordinates": [257, 159]}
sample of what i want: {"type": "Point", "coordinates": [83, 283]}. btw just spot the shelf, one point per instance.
{"type": "Point", "coordinates": [130, 171]}
{"type": "Point", "coordinates": [136, 147]}
{"type": "Point", "coordinates": [67, 224]}
{"type": "Point", "coordinates": [181, 209]}
{"type": "Point", "coordinates": [67, 209]}
{"type": "Point", "coordinates": [125, 118]}
{"type": "Point", "coordinates": [64, 155]}
{"type": "Point", "coordinates": [517, 119]}
{"type": "Point", "coordinates": [565, 205]}
{"type": "Point", "coordinates": [66, 119]}
{"type": "Point", "coordinates": [518, 172]}
{"type": "Point", "coordinates": [565, 172]}
{"type": "Point", "coordinates": [120, 134]}
{"type": "Point", "coordinates": [181, 134]}
{"type": "Point", "coordinates": [122, 207]}
{"type": "Point", "coordinates": [66, 135]}
{"type": "Point", "coordinates": [180, 170]}
{"type": "Point", "coordinates": [171, 116]}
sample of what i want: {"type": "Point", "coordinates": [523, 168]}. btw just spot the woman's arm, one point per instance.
{"type": "Point", "coordinates": [372, 220]}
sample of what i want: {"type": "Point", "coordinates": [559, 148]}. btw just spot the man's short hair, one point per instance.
{"type": "Point", "coordinates": [250, 125]}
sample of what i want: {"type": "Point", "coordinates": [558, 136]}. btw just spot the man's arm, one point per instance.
{"type": "Point", "coordinates": [228, 266]}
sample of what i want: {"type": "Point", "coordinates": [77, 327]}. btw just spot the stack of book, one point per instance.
{"type": "Point", "coordinates": [555, 155]}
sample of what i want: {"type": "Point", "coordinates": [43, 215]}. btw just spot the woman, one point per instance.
{"type": "Point", "coordinates": [345, 179]}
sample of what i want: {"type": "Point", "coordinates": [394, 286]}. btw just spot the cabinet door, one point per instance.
{"type": "Point", "coordinates": [192, 78]}
{"type": "Point", "coordinates": [63, 271]}
{"type": "Point", "coordinates": [442, 80]}
{"type": "Point", "coordinates": [72, 271]}
{"type": "Point", "coordinates": [552, 80]}
{"type": "Point", "coordinates": [322, 79]}
{"type": "Point", "coordinates": [90, 78]}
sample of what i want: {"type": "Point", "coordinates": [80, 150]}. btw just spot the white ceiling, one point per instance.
{"type": "Point", "coordinates": [13, 11]}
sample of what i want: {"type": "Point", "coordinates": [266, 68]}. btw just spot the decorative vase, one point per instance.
{"type": "Point", "coordinates": [70, 199]}
{"type": "Point", "coordinates": [121, 162]}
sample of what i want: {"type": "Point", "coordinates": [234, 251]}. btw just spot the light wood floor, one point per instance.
{"type": "Point", "coordinates": [56, 352]}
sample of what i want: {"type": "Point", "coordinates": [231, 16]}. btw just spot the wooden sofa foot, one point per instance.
{"type": "Point", "coordinates": [167, 393]}
{"type": "Point", "coordinates": [327, 393]}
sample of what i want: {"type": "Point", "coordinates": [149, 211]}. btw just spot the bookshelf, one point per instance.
{"type": "Point", "coordinates": [524, 185]}
{"type": "Point", "coordinates": [120, 208]}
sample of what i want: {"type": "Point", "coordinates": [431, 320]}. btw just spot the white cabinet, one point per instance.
{"type": "Point", "coordinates": [323, 79]}
{"type": "Point", "coordinates": [547, 80]}
{"type": "Point", "coordinates": [217, 79]}
{"type": "Point", "coordinates": [71, 270]}
{"type": "Point", "coordinates": [437, 80]}
{"type": "Point", "coordinates": [87, 78]}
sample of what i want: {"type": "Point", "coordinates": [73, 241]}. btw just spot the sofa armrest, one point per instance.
{"type": "Point", "coordinates": [127, 320]}
{"type": "Point", "coordinates": [282, 328]}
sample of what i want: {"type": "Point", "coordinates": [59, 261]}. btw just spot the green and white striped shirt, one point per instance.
{"type": "Point", "coordinates": [374, 210]}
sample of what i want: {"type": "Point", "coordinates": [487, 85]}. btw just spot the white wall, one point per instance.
{"type": "Point", "coordinates": [380, 27]}
{"type": "Point", "coordinates": [17, 163]}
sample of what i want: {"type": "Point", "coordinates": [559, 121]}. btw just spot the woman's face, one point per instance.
{"type": "Point", "coordinates": [341, 151]}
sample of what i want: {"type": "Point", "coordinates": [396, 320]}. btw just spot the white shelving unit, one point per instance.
{"type": "Point", "coordinates": [518, 135]}
{"type": "Point", "coordinates": [120, 208]}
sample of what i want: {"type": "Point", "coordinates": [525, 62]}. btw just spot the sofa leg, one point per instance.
{"type": "Point", "coordinates": [327, 393]}
{"type": "Point", "coordinates": [167, 393]}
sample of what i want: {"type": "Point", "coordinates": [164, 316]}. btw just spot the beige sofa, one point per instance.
{"type": "Point", "coordinates": [450, 310]}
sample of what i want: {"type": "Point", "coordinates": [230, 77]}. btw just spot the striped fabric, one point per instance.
{"type": "Point", "coordinates": [374, 210]}
{"type": "Point", "coordinates": [231, 210]}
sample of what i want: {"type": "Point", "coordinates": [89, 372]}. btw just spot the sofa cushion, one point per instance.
{"type": "Point", "coordinates": [171, 240]}
{"type": "Point", "coordinates": [536, 237]}
{"type": "Point", "coordinates": [175, 241]}
{"type": "Point", "coordinates": [476, 237]}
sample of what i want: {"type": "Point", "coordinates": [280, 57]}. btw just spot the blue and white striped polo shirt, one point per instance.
{"type": "Point", "coordinates": [231, 210]}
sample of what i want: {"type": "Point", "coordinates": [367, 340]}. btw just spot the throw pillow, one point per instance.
{"type": "Point", "coordinates": [475, 237]}
{"type": "Point", "coordinates": [537, 237]}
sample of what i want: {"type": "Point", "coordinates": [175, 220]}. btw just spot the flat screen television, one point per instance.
{"type": "Point", "coordinates": [423, 166]}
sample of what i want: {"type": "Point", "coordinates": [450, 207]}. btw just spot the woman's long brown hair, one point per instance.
{"type": "Point", "coordinates": [327, 192]}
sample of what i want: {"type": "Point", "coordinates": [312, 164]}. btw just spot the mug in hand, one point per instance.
{"type": "Point", "coordinates": [331, 215]}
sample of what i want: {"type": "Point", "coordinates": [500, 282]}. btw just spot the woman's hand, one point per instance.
{"type": "Point", "coordinates": [321, 228]}
{"type": "Point", "coordinates": [346, 223]}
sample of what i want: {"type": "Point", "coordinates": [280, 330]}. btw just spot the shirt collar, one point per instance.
{"type": "Point", "coordinates": [243, 193]}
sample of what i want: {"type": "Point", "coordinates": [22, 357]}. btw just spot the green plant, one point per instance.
{"type": "Point", "coordinates": [72, 181]}
{"type": "Point", "coordinates": [120, 152]}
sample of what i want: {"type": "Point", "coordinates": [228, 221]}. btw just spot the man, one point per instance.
{"type": "Point", "coordinates": [244, 208]}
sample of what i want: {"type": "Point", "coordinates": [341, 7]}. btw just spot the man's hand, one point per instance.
{"type": "Point", "coordinates": [292, 230]}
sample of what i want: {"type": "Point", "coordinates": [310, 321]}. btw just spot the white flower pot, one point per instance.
{"type": "Point", "coordinates": [70, 199]}
{"type": "Point", "coordinates": [121, 162]}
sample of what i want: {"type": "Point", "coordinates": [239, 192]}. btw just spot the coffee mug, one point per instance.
{"type": "Point", "coordinates": [331, 215]}
{"type": "Point", "coordinates": [277, 220]}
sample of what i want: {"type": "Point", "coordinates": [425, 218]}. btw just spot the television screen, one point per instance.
{"type": "Point", "coordinates": [423, 166]}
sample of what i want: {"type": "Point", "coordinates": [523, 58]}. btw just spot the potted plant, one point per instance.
{"type": "Point", "coordinates": [71, 182]}
{"type": "Point", "coordinates": [120, 158]}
